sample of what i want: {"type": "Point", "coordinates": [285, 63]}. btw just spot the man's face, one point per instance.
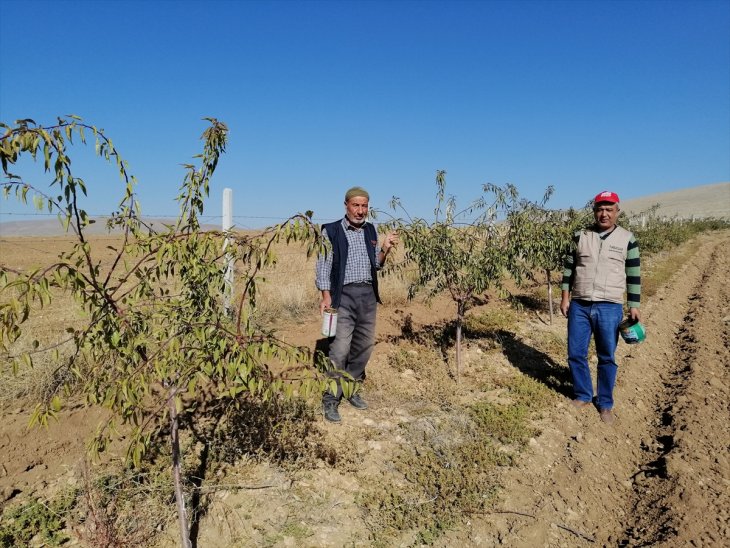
{"type": "Point", "coordinates": [357, 209]}
{"type": "Point", "coordinates": [605, 214]}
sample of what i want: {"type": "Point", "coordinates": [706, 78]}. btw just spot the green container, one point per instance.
{"type": "Point", "coordinates": [632, 332]}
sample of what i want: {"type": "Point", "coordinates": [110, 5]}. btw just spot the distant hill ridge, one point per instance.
{"type": "Point", "coordinates": [699, 201]}
{"type": "Point", "coordinates": [50, 226]}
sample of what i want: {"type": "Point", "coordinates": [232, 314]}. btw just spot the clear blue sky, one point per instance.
{"type": "Point", "coordinates": [632, 96]}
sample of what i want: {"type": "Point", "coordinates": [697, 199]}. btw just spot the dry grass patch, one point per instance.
{"type": "Point", "coordinates": [288, 290]}
{"type": "Point", "coordinates": [490, 321]}
{"type": "Point", "coordinates": [658, 269]}
{"type": "Point", "coordinates": [110, 508]}
{"type": "Point", "coordinates": [49, 328]}
{"type": "Point", "coordinates": [551, 343]}
{"type": "Point", "coordinates": [414, 376]}
{"type": "Point", "coordinates": [448, 466]}
{"type": "Point", "coordinates": [446, 469]}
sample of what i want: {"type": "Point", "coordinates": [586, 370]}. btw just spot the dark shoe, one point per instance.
{"type": "Point", "coordinates": [330, 411]}
{"type": "Point", "coordinates": [607, 416]}
{"type": "Point", "coordinates": [357, 402]}
{"type": "Point", "coordinates": [579, 404]}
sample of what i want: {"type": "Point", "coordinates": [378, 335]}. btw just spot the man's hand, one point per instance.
{"type": "Point", "coordinates": [391, 239]}
{"type": "Point", "coordinates": [326, 302]}
{"type": "Point", "coordinates": [565, 303]}
{"type": "Point", "coordinates": [635, 314]}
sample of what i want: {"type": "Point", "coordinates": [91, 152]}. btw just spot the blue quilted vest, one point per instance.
{"type": "Point", "coordinates": [336, 234]}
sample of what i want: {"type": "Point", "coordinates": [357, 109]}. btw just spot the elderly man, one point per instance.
{"type": "Point", "coordinates": [347, 278]}
{"type": "Point", "coordinates": [604, 264]}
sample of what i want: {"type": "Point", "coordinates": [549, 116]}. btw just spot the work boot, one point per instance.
{"type": "Point", "coordinates": [330, 410]}
{"type": "Point", "coordinates": [607, 416]}
{"type": "Point", "coordinates": [357, 402]}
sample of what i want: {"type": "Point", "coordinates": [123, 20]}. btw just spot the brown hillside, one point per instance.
{"type": "Point", "coordinates": [701, 201]}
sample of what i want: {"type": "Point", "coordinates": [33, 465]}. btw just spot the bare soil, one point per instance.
{"type": "Point", "coordinates": [659, 476]}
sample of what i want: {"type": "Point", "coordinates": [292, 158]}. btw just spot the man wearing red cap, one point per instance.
{"type": "Point", "coordinates": [604, 264]}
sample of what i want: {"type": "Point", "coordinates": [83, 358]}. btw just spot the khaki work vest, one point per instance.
{"type": "Point", "coordinates": [600, 269]}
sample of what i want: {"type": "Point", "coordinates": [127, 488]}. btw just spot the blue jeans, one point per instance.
{"type": "Point", "coordinates": [600, 319]}
{"type": "Point", "coordinates": [355, 337]}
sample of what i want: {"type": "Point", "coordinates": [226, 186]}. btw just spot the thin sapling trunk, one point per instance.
{"type": "Point", "coordinates": [179, 495]}
{"type": "Point", "coordinates": [550, 295]}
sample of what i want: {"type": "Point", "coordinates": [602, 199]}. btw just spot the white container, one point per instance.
{"type": "Point", "coordinates": [329, 322]}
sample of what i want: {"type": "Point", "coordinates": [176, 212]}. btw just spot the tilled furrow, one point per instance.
{"type": "Point", "coordinates": [672, 489]}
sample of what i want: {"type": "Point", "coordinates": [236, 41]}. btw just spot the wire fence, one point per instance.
{"type": "Point", "coordinates": [14, 244]}
{"type": "Point", "coordinates": [152, 216]}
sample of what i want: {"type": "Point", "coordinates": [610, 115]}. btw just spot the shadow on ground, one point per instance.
{"type": "Point", "coordinates": [528, 359]}
{"type": "Point", "coordinates": [536, 364]}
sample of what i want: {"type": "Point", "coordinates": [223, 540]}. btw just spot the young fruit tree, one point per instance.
{"type": "Point", "coordinates": [462, 252]}
{"type": "Point", "coordinates": [544, 237]}
{"type": "Point", "coordinates": [151, 335]}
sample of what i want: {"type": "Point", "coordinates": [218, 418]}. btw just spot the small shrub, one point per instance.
{"type": "Point", "coordinates": [280, 430]}
{"type": "Point", "coordinates": [663, 234]}
{"type": "Point", "coordinates": [393, 288]}
{"type": "Point", "coordinates": [529, 392]}
{"type": "Point", "coordinates": [422, 375]}
{"type": "Point", "coordinates": [507, 423]}
{"type": "Point", "coordinates": [440, 483]}
{"type": "Point", "coordinates": [490, 322]}
{"type": "Point", "coordinates": [553, 344]}
{"type": "Point", "coordinates": [417, 358]}
{"type": "Point", "coordinates": [44, 520]}
{"type": "Point", "coordinates": [403, 359]}
{"type": "Point", "coordinates": [124, 507]}
{"type": "Point", "coordinates": [448, 467]}
{"type": "Point", "coordinates": [297, 530]}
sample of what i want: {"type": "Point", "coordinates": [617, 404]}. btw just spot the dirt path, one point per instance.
{"type": "Point", "coordinates": [682, 492]}
{"type": "Point", "coordinates": [659, 476]}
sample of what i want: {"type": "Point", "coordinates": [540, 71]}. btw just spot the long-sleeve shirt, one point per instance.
{"type": "Point", "coordinates": [357, 266]}
{"type": "Point", "coordinates": [632, 267]}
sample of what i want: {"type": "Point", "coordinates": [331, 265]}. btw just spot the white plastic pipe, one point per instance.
{"type": "Point", "coordinates": [227, 226]}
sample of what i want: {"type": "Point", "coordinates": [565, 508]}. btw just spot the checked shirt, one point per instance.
{"type": "Point", "coordinates": [357, 267]}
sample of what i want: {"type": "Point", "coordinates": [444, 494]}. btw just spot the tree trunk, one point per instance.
{"type": "Point", "coordinates": [550, 295]}
{"type": "Point", "coordinates": [179, 495]}
{"type": "Point", "coordinates": [459, 320]}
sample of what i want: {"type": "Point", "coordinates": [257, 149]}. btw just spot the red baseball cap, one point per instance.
{"type": "Point", "coordinates": [606, 196]}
